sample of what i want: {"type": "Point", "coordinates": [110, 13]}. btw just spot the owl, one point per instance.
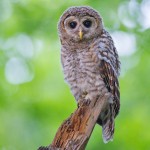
{"type": "Point", "coordinates": [90, 62]}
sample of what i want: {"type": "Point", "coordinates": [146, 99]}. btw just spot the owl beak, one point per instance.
{"type": "Point", "coordinates": [80, 34]}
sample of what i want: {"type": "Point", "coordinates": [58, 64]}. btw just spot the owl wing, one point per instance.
{"type": "Point", "coordinates": [111, 82]}
{"type": "Point", "coordinates": [109, 70]}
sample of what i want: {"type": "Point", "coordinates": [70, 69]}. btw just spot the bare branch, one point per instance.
{"type": "Point", "coordinates": [75, 132]}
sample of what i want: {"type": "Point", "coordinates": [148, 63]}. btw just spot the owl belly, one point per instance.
{"type": "Point", "coordinates": [90, 83]}
{"type": "Point", "coordinates": [85, 81]}
{"type": "Point", "coordinates": [83, 75]}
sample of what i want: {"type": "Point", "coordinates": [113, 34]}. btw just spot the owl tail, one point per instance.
{"type": "Point", "coordinates": [108, 130]}
{"type": "Point", "coordinates": [106, 120]}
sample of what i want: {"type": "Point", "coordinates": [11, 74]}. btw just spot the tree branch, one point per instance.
{"type": "Point", "coordinates": [75, 132]}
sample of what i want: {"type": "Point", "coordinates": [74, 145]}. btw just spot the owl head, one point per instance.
{"type": "Point", "coordinates": [78, 24]}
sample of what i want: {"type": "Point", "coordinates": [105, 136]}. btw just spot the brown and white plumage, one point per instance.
{"type": "Point", "coordinates": [90, 62]}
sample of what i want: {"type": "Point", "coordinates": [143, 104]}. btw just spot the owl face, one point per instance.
{"type": "Point", "coordinates": [80, 28]}
{"type": "Point", "coordinates": [79, 24]}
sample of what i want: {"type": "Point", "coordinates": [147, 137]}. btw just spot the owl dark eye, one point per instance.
{"type": "Point", "coordinates": [72, 24]}
{"type": "Point", "coordinates": [87, 23]}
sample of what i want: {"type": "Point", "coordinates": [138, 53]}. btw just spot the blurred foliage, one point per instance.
{"type": "Point", "coordinates": [34, 100]}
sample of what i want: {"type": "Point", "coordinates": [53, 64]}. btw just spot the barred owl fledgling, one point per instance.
{"type": "Point", "coordinates": [90, 62]}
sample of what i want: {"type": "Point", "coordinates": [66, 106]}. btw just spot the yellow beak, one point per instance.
{"type": "Point", "coordinates": [80, 34]}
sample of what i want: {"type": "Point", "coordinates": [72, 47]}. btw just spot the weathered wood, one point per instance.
{"type": "Point", "coordinates": [75, 132]}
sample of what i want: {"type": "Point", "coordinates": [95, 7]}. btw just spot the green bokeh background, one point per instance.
{"type": "Point", "coordinates": [34, 99]}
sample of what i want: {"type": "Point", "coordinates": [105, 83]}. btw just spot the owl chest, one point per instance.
{"type": "Point", "coordinates": [80, 70]}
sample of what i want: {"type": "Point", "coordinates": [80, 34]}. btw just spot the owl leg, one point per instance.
{"type": "Point", "coordinates": [81, 97]}
{"type": "Point", "coordinates": [77, 93]}
{"type": "Point", "coordinates": [92, 93]}
{"type": "Point", "coordinates": [106, 120]}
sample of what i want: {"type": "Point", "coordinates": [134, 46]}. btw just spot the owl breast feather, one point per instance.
{"type": "Point", "coordinates": [81, 70]}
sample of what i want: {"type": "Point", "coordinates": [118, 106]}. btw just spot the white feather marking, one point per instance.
{"type": "Point", "coordinates": [108, 61]}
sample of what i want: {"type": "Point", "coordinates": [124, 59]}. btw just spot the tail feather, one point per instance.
{"type": "Point", "coordinates": [106, 120]}
{"type": "Point", "coordinates": [108, 131]}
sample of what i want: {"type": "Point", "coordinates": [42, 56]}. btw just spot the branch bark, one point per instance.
{"type": "Point", "coordinates": [75, 132]}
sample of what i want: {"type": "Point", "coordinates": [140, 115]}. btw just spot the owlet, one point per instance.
{"type": "Point", "coordinates": [90, 62]}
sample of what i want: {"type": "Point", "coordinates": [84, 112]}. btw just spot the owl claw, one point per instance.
{"type": "Point", "coordinates": [80, 102]}
{"type": "Point", "coordinates": [83, 102]}
{"type": "Point", "coordinates": [87, 102]}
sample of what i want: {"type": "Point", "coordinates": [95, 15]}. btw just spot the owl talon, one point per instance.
{"type": "Point", "coordinates": [87, 102]}
{"type": "Point", "coordinates": [80, 102]}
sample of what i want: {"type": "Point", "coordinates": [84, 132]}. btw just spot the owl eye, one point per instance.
{"type": "Point", "coordinates": [87, 23]}
{"type": "Point", "coordinates": [73, 24]}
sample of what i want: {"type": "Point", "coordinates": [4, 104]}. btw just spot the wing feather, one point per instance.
{"type": "Point", "coordinates": [110, 67]}
{"type": "Point", "coordinates": [111, 82]}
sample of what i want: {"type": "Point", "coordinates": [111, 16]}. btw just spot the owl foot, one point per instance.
{"type": "Point", "coordinates": [85, 102]}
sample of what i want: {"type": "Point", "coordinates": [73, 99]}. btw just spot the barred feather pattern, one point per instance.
{"type": "Point", "coordinates": [93, 71]}
{"type": "Point", "coordinates": [91, 68]}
